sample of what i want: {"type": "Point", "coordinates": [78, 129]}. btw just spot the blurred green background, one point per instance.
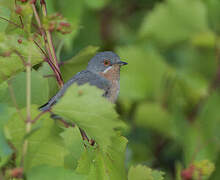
{"type": "Point", "coordinates": [169, 93]}
{"type": "Point", "coordinates": [170, 89]}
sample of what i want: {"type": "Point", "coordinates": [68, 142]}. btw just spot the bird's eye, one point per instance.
{"type": "Point", "coordinates": [106, 62]}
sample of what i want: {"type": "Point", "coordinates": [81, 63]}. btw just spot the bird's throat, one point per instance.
{"type": "Point", "coordinates": [112, 73]}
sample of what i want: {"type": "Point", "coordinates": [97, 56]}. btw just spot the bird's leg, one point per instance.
{"type": "Point", "coordinates": [83, 134]}
{"type": "Point", "coordinates": [66, 124]}
{"type": "Point", "coordinates": [85, 137]}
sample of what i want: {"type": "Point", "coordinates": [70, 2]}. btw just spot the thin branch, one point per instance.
{"type": "Point", "coordinates": [20, 56]}
{"type": "Point", "coordinates": [66, 124]}
{"type": "Point", "coordinates": [50, 42]}
{"type": "Point", "coordinates": [57, 75]}
{"type": "Point", "coordinates": [52, 60]}
{"type": "Point", "coordinates": [45, 54]}
{"type": "Point", "coordinates": [49, 37]}
{"type": "Point", "coordinates": [11, 22]}
{"type": "Point", "coordinates": [22, 24]}
{"type": "Point", "coordinates": [38, 116]}
{"type": "Point", "coordinates": [49, 76]}
{"type": "Point", "coordinates": [83, 134]}
{"type": "Point", "coordinates": [28, 120]}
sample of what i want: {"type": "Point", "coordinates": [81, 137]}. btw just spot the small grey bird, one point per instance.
{"type": "Point", "coordinates": [103, 71]}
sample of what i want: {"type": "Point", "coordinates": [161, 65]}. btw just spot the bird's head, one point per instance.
{"type": "Point", "coordinates": [104, 61]}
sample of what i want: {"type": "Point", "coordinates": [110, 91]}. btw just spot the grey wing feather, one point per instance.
{"type": "Point", "coordinates": [80, 78]}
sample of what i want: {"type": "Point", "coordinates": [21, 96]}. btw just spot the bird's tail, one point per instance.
{"type": "Point", "coordinates": [44, 107]}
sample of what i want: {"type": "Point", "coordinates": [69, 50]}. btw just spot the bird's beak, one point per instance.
{"type": "Point", "coordinates": [122, 63]}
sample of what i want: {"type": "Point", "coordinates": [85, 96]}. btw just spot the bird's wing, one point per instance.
{"type": "Point", "coordinates": [80, 78]}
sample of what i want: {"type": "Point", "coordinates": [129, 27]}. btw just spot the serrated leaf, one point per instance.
{"type": "Point", "coordinates": [52, 173]}
{"type": "Point", "coordinates": [10, 61]}
{"type": "Point", "coordinates": [78, 62]}
{"type": "Point", "coordinates": [23, 19]}
{"type": "Point", "coordinates": [101, 165]}
{"type": "Point", "coordinates": [45, 146]}
{"type": "Point", "coordinates": [85, 106]}
{"type": "Point", "coordinates": [39, 90]}
{"type": "Point", "coordinates": [144, 173]}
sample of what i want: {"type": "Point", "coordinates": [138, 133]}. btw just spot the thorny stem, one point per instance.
{"type": "Point", "coordinates": [28, 118]}
{"type": "Point", "coordinates": [48, 34]}
{"type": "Point", "coordinates": [50, 42]}
{"type": "Point", "coordinates": [45, 54]}
{"type": "Point", "coordinates": [49, 47]}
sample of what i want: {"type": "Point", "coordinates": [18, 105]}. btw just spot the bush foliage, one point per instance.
{"type": "Point", "coordinates": [165, 124]}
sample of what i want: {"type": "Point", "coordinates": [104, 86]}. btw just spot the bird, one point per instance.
{"type": "Point", "coordinates": [103, 71]}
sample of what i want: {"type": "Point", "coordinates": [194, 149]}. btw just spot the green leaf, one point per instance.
{"type": "Point", "coordinates": [78, 62]}
{"type": "Point", "coordinates": [192, 141]}
{"type": "Point", "coordinates": [174, 21]}
{"type": "Point", "coordinates": [96, 4]}
{"type": "Point", "coordinates": [204, 133]}
{"type": "Point", "coordinates": [46, 71]}
{"type": "Point", "coordinates": [25, 13]}
{"type": "Point", "coordinates": [213, 14]}
{"type": "Point", "coordinates": [85, 106]}
{"type": "Point", "coordinates": [45, 146]}
{"type": "Point", "coordinates": [143, 76]}
{"type": "Point", "coordinates": [101, 165]}
{"type": "Point", "coordinates": [39, 90]}
{"type": "Point", "coordinates": [208, 119]}
{"type": "Point", "coordinates": [144, 173]}
{"type": "Point", "coordinates": [5, 151]}
{"type": "Point", "coordinates": [51, 173]}
{"type": "Point", "coordinates": [10, 61]}
{"type": "Point", "coordinates": [5, 13]}
{"type": "Point", "coordinates": [73, 142]}
{"type": "Point", "coordinates": [216, 173]}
